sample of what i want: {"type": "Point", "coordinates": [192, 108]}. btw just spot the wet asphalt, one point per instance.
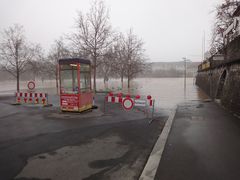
{"type": "Point", "coordinates": [204, 143]}
{"type": "Point", "coordinates": [27, 131]}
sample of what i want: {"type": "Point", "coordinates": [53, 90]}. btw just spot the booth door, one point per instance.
{"type": "Point", "coordinates": [69, 93]}
{"type": "Point", "coordinates": [86, 95]}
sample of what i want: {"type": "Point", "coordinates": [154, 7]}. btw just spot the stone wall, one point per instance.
{"type": "Point", "coordinates": [228, 91]}
{"type": "Point", "coordinates": [222, 80]}
{"type": "Point", "coordinates": [231, 92]}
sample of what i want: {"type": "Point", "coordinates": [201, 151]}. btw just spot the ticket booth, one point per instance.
{"type": "Point", "coordinates": [75, 84]}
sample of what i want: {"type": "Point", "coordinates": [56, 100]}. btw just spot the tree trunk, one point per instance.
{"type": "Point", "coordinates": [17, 67]}
{"type": "Point", "coordinates": [18, 80]}
{"type": "Point", "coordinates": [57, 84]}
{"type": "Point", "coordinates": [128, 82]}
{"type": "Point", "coordinates": [56, 75]}
{"type": "Point", "coordinates": [94, 74]}
{"type": "Point", "coordinates": [128, 77]}
{"type": "Point", "coordinates": [105, 80]}
{"type": "Point", "coordinates": [122, 80]}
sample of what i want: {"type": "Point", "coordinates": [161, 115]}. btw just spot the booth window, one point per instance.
{"type": "Point", "coordinates": [69, 83]}
{"type": "Point", "coordinates": [85, 78]}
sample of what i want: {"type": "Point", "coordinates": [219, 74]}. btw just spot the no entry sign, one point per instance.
{"type": "Point", "coordinates": [127, 103]}
{"type": "Point", "coordinates": [31, 85]}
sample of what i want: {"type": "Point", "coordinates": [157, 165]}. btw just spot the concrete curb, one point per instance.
{"type": "Point", "coordinates": [151, 166]}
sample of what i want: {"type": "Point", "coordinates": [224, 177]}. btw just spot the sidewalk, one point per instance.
{"type": "Point", "coordinates": [204, 143]}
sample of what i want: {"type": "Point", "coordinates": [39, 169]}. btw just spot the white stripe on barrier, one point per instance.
{"type": "Point", "coordinates": [109, 98]}
{"type": "Point", "coordinates": [116, 99]}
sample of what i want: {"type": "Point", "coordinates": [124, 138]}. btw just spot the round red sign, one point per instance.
{"type": "Point", "coordinates": [31, 85]}
{"type": "Point", "coordinates": [127, 103]}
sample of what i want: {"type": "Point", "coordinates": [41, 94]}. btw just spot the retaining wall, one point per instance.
{"type": "Point", "coordinates": [222, 80]}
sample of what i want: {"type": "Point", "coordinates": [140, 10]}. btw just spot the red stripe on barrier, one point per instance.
{"type": "Point", "coordinates": [113, 99]}
{"type": "Point", "coordinates": [150, 102]}
{"type": "Point", "coordinates": [120, 99]}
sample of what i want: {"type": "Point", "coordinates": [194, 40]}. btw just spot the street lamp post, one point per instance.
{"type": "Point", "coordinates": [185, 74]}
{"type": "Point", "coordinates": [185, 60]}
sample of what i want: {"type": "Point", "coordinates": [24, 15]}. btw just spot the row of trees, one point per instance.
{"type": "Point", "coordinates": [224, 18]}
{"type": "Point", "coordinates": [113, 54]}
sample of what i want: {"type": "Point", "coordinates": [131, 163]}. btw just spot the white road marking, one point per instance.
{"type": "Point", "coordinates": [151, 166]}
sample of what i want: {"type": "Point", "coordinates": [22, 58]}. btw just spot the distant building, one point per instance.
{"type": "Point", "coordinates": [172, 69]}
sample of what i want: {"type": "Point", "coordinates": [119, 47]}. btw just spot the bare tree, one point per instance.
{"type": "Point", "coordinates": [224, 18]}
{"type": "Point", "coordinates": [108, 64]}
{"type": "Point", "coordinates": [93, 35]}
{"type": "Point", "coordinates": [15, 52]}
{"type": "Point", "coordinates": [57, 51]}
{"type": "Point", "coordinates": [133, 56]}
{"type": "Point", "coordinates": [120, 54]}
{"type": "Point", "coordinates": [36, 63]}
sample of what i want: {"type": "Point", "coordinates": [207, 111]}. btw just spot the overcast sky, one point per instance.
{"type": "Point", "coordinates": [171, 29]}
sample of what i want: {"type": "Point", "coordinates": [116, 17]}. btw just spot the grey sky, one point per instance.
{"type": "Point", "coordinates": [170, 29]}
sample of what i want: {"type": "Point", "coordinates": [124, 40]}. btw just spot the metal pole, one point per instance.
{"type": "Point", "coordinates": [185, 73]}
{"type": "Point", "coordinates": [104, 104]}
{"type": "Point", "coordinates": [153, 108]}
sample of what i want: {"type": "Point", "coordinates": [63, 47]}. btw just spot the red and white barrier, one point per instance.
{"type": "Point", "coordinates": [129, 102]}
{"type": "Point", "coordinates": [137, 101]}
{"type": "Point", "coordinates": [32, 98]}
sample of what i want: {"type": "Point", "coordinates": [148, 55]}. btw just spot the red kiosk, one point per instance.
{"type": "Point", "coordinates": [75, 84]}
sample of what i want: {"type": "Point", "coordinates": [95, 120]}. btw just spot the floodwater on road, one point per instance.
{"type": "Point", "coordinates": [167, 92]}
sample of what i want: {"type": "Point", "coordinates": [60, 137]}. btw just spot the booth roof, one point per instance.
{"type": "Point", "coordinates": [73, 60]}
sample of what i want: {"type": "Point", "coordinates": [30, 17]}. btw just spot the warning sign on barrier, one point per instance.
{"type": "Point", "coordinates": [31, 85]}
{"type": "Point", "coordinates": [127, 104]}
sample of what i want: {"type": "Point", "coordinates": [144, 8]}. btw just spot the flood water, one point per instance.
{"type": "Point", "coordinates": [167, 92]}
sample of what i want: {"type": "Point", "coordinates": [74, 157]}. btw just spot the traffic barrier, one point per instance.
{"type": "Point", "coordinates": [31, 98]}
{"type": "Point", "coordinates": [137, 99]}
{"type": "Point", "coordinates": [129, 102]}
